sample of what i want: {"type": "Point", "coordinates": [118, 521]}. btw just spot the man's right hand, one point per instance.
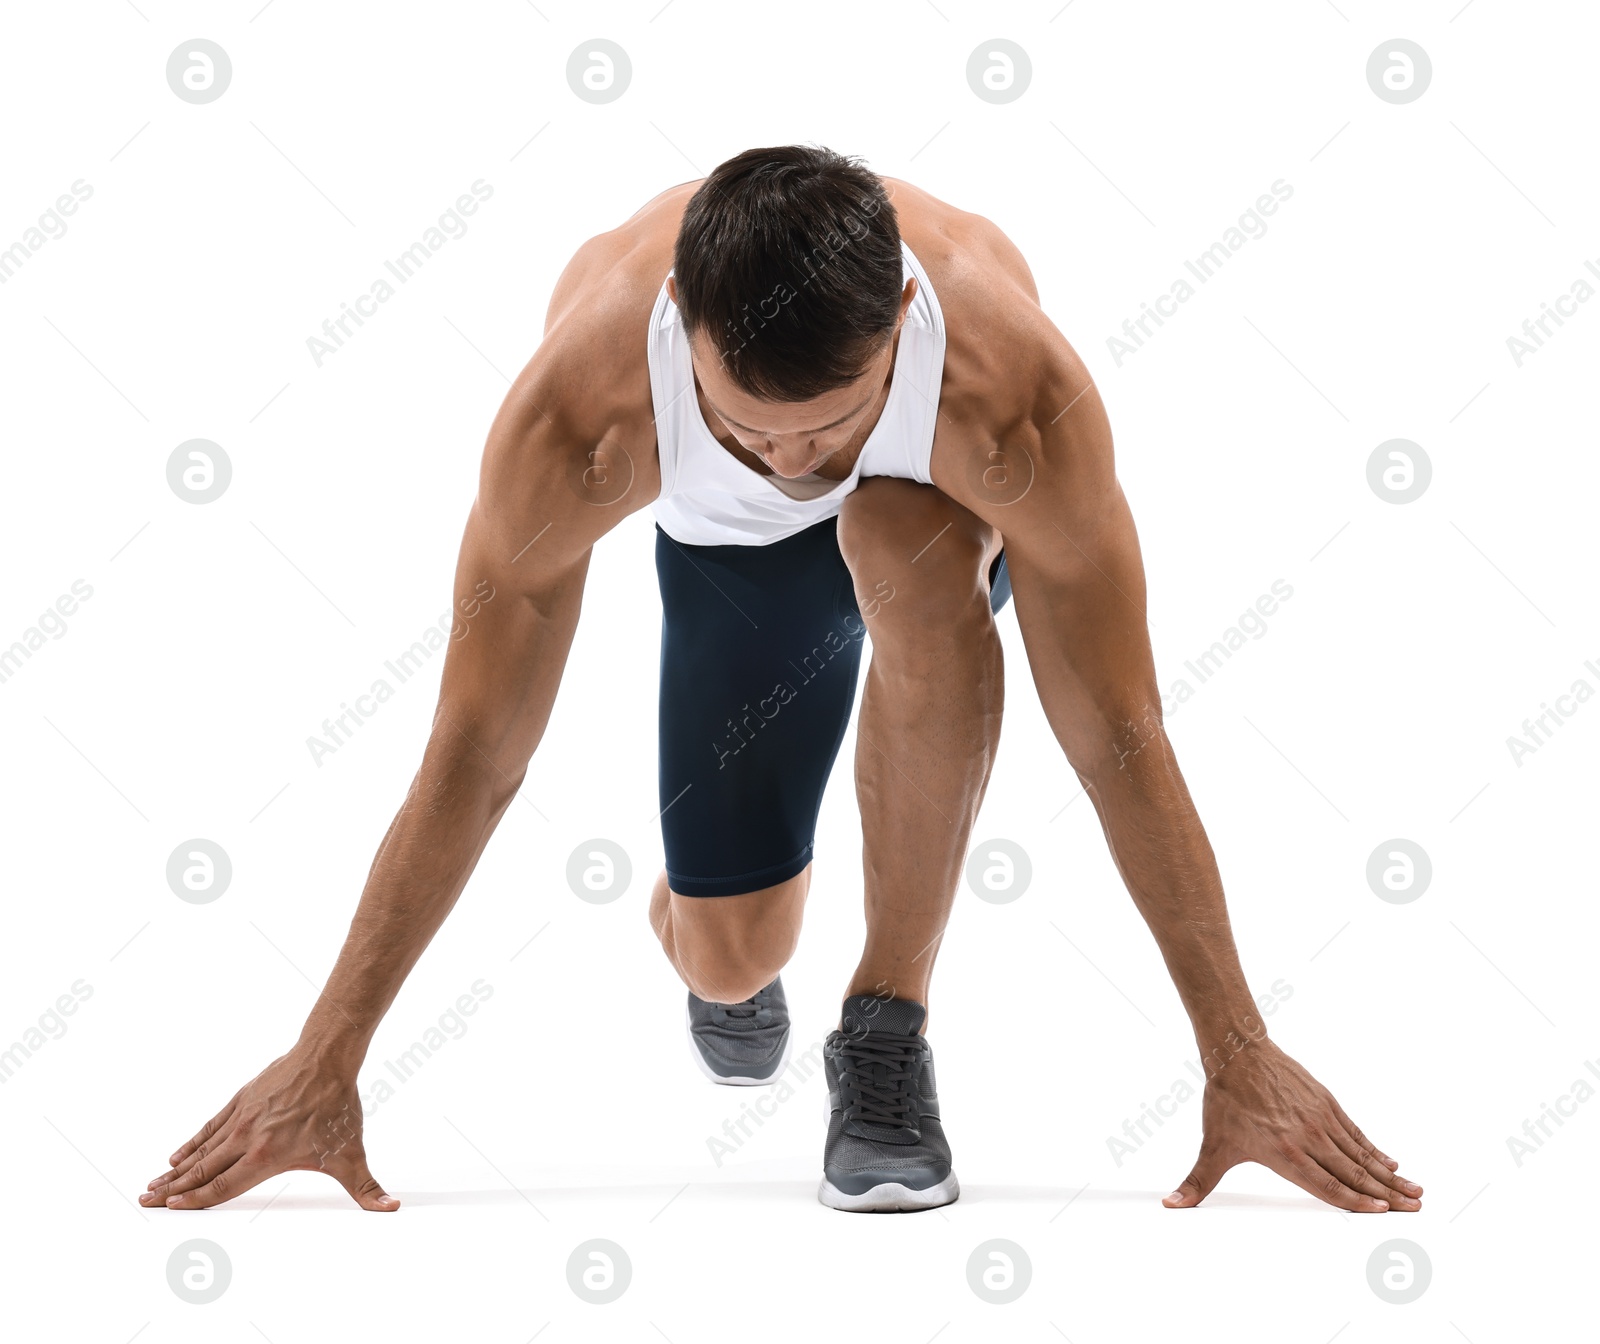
{"type": "Point", "coordinates": [297, 1114]}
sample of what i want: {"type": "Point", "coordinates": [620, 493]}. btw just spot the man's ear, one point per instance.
{"type": "Point", "coordinates": [672, 287]}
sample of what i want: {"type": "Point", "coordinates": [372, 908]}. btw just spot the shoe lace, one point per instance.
{"type": "Point", "coordinates": [731, 1014]}
{"type": "Point", "coordinates": [879, 1069]}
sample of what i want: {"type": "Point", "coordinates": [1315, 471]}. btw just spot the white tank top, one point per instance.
{"type": "Point", "coordinates": [709, 498]}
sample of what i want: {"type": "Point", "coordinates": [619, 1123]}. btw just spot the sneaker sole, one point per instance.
{"type": "Point", "coordinates": [890, 1197]}
{"type": "Point", "coordinates": [735, 1081]}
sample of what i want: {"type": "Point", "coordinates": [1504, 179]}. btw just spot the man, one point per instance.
{"type": "Point", "coordinates": [846, 399]}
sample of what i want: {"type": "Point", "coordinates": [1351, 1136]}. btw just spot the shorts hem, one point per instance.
{"type": "Point", "coordinates": [743, 882]}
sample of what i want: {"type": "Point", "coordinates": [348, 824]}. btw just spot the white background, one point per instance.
{"type": "Point", "coordinates": [218, 637]}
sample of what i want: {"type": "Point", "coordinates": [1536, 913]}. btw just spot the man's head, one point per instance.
{"type": "Point", "coordinates": [788, 276]}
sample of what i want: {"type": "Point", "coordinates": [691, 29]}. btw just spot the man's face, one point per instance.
{"type": "Point", "coordinates": [793, 437]}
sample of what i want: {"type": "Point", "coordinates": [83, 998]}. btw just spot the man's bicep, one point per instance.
{"type": "Point", "coordinates": [1077, 575]}
{"type": "Point", "coordinates": [518, 583]}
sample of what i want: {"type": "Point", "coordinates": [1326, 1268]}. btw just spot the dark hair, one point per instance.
{"type": "Point", "coordinates": [788, 263]}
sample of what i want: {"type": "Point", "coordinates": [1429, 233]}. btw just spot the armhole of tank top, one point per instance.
{"type": "Point", "coordinates": [922, 467]}
{"type": "Point", "coordinates": [936, 377]}
{"type": "Point", "coordinates": [658, 353]}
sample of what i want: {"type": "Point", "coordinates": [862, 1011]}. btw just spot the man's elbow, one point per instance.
{"type": "Point", "coordinates": [1130, 737]}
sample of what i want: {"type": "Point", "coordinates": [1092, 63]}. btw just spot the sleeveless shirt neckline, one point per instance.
{"type": "Point", "coordinates": [847, 484]}
{"type": "Point", "coordinates": [702, 502]}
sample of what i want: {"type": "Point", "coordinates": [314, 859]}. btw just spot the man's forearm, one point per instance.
{"type": "Point", "coordinates": [1166, 861]}
{"type": "Point", "coordinates": [426, 857]}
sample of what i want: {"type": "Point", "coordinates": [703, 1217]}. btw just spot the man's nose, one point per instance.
{"type": "Point", "coordinates": [794, 450]}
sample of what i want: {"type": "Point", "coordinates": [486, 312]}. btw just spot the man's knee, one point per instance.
{"type": "Point", "coordinates": [728, 947]}
{"type": "Point", "coordinates": [729, 981]}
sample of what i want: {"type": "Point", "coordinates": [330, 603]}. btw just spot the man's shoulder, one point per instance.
{"type": "Point", "coordinates": [589, 379]}
{"type": "Point", "coordinates": [613, 278]}
{"type": "Point", "coordinates": [960, 249]}
{"type": "Point", "coordinates": [597, 328]}
{"type": "Point", "coordinates": [1012, 383]}
{"type": "Point", "coordinates": [999, 343]}
{"type": "Point", "coordinates": [581, 410]}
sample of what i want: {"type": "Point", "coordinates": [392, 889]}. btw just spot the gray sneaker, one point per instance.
{"type": "Point", "coordinates": [886, 1150]}
{"type": "Point", "coordinates": [741, 1044]}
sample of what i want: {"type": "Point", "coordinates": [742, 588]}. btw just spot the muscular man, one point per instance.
{"type": "Point", "coordinates": [840, 396]}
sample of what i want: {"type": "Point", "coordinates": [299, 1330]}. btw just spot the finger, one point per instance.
{"type": "Point", "coordinates": [239, 1177]}
{"type": "Point", "coordinates": [210, 1127]}
{"type": "Point", "coordinates": [159, 1185]}
{"type": "Point", "coordinates": [1367, 1149]}
{"type": "Point", "coordinates": [353, 1173]}
{"type": "Point", "coordinates": [196, 1155]}
{"type": "Point", "coordinates": [1366, 1144]}
{"type": "Point", "coordinates": [1402, 1190]}
{"type": "Point", "coordinates": [201, 1173]}
{"type": "Point", "coordinates": [215, 1144]}
{"type": "Point", "coordinates": [1199, 1183]}
{"type": "Point", "coordinates": [1332, 1156]}
{"type": "Point", "coordinates": [1297, 1166]}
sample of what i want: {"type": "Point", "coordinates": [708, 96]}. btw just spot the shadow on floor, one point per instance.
{"type": "Point", "coordinates": [306, 1193]}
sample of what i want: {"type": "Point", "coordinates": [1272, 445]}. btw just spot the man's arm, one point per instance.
{"type": "Point", "coordinates": [546, 494]}
{"type": "Point", "coordinates": [1048, 483]}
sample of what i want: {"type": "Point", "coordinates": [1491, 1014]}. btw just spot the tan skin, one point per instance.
{"type": "Point", "coordinates": [1022, 449]}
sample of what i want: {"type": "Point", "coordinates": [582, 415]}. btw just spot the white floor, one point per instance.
{"type": "Point", "coordinates": [490, 1224]}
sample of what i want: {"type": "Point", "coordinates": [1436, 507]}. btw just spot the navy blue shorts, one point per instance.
{"type": "Point", "coordinates": [760, 650]}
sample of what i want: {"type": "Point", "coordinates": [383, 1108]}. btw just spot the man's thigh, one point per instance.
{"type": "Point", "coordinates": [760, 654]}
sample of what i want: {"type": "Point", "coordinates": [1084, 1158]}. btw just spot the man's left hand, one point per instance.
{"type": "Point", "coordinates": [1261, 1106]}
